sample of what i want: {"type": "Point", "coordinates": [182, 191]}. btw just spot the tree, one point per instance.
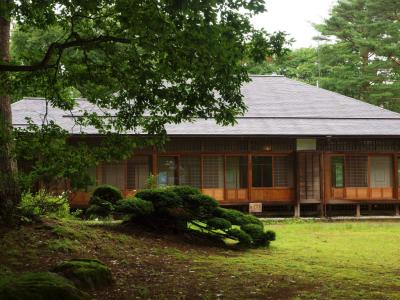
{"type": "Point", "coordinates": [145, 63]}
{"type": "Point", "coordinates": [362, 59]}
{"type": "Point", "coordinates": [300, 64]}
{"type": "Point", "coordinates": [365, 58]}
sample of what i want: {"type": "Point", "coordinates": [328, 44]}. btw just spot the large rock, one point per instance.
{"type": "Point", "coordinates": [39, 286]}
{"type": "Point", "coordinates": [85, 273]}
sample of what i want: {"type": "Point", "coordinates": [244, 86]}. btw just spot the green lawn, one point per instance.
{"type": "Point", "coordinates": [309, 260]}
{"type": "Point", "coordinates": [359, 260]}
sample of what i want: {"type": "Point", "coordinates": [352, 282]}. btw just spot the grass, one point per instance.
{"type": "Point", "coordinates": [309, 260]}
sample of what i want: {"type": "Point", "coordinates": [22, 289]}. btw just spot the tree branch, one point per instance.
{"type": "Point", "coordinates": [60, 47]}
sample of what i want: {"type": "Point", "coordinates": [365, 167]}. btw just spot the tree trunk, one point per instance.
{"type": "Point", "coordinates": [9, 190]}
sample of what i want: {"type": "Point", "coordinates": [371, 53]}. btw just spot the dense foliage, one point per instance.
{"type": "Point", "coordinates": [34, 206]}
{"type": "Point", "coordinates": [359, 57]}
{"type": "Point", "coordinates": [184, 209]}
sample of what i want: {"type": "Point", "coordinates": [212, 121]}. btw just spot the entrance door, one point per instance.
{"type": "Point", "coordinates": [308, 172]}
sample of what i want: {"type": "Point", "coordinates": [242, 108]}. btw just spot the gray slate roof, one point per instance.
{"type": "Point", "coordinates": [276, 106]}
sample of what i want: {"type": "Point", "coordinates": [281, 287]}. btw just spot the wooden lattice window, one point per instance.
{"type": "Point", "coordinates": [337, 171]}
{"type": "Point", "coordinates": [283, 171]}
{"type": "Point", "coordinates": [262, 171]}
{"type": "Point", "coordinates": [138, 170]}
{"type": "Point", "coordinates": [167, 170]}
{"type": "Point", "coordinates": [213, 172]}
{"type": "Point", "coordinates": [356, 171]}
{"type": "Point", "coordinates": [236, 172]}
{"type": "Point", "coordinates": [189, 171]}
{"type": "Point", "coordinates": [114, 174]}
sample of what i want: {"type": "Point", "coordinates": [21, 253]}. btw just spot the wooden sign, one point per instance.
{"type": "Point", "coordinates": [255, 207]}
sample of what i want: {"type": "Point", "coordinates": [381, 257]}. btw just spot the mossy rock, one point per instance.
{"type": "Point", "coordinates": [39, 286]}
{"type": "Point", "coordinates": [85, 273]}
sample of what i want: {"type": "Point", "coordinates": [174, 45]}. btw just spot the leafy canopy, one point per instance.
{"type": "Point", "coordinates": [146, 63]}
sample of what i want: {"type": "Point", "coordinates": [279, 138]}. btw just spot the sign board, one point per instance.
{"type": "Point", "coordinates": [306, 144]}
{"type": "Point", "coordinates": [255, 207]}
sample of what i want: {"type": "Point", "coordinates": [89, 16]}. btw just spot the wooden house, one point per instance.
{"type": "Point", "coordinates": [298, 150]}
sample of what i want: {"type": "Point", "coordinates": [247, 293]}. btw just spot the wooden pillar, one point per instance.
{"type": "Point", "coordinates": [397, 210]}
{"type": "Point", "coordinates": [358, 210]}
{"type": "Point", "coordinates": [395, 178]}
{"type": "Point", "coordinates": [154, 162]}
{"type": "Point", "coordinates": [249, 176]}
{"type": "Point", "coordinates": [201, 173]}
{"type": "Point", "coordinates": [322, 183]}
{"type": "Point", "coordinates": [297, 210]}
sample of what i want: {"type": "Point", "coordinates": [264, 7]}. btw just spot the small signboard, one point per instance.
{"type": "Point", "coordinates": [255, 207]}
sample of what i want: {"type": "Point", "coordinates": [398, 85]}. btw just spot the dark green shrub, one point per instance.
{"type": "Point", "coordinates": [201, 206]}
{"type": "Point", "coordinates": [244, 239]}
{"type": "Point", "coordinates": [43, 286]}
{"type": "Point", "coordinates": [219, 223]}
{"type": "Point", "coordinates": [99, 208]}
{"type": "Point", "coordinates": [184, 192]}
{"type": "Point", "coordinates": [271, 235]}
{"type": "Point", "coordinates": [134, 206]}
{"type": "Point", "coordinates": [250, 219]}
{"type": "Point", "coordinates": [257, 234]}
{"type": "Point", "coordinates": [107, 193]}
{"type": "Point", "coordinates": [164, 199]}
{"type": "Point", "coordinates": [237, 217]}
{"type": "Point", "coordinates": [85, 273]}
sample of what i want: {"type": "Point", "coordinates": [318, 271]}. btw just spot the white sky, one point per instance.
{"type": "Point", "coordinates": [295, 17]}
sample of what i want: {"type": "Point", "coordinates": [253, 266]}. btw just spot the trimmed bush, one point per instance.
{"type": "Point", "coordinates": [134, 206]}
{"type": "Point", "coordinates": [244, 239]}
{"type": "Point", "coordinates": [107, 193]}
{"type": "Point", "coordinates": [202, 206]}
{"type": "Point", "coordinates": [85, 273]}
{"type": "Point", "coordinates": [236, 217]}
{"type": "Point", "coordinates": [164, 200]}
{"type": "Point", "coordinates": [271, 235]}
{"type": "Point", "coordinates": [99, 208]}
{"type": "Point", "coordinates": [219, 223]}
{"type": "Point", "coordinates": [257, 234]}
{"type": "Point", "coordinates": [184, 192]}
{"type": "Point", "coordinates": [39, 286]}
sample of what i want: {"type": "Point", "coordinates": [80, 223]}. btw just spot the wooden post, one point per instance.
{"type": "Point", "coordinates": [397, 210]}
{"type": "Point", "coordinates": [395, 178]}
{"type": "Point", "coordinates": [297, 210]}
{"type": "Point", "coordinates": [322, 183]}
{"type": "Point", "coordinates": [249, 176]}
{"type": "Point", "coordinates": [154, 162]}
{"type": "Point", "coordinates": [358, 210]}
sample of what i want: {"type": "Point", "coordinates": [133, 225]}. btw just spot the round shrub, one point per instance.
{"type": "Point", "coordinates": [134, 206]}
{"type": "Point", "coordinates": [202, 206]}
{"type": "Point", "coordinates": [237, 217]}
{"type": "Point", "coordinates": [270, 235]}
{"type": "Point", "coordinates": [107, 193]}
{"type": "Point", "coordinates": [99, 208]}
{"type": "Point", "coordinates": [219, 223]}
{"type": "Point", "coordinates": [43, 286]}
{"type": "Point", "coordinates": [250, 219]}
{"type": "Point", "coordinates": [243, 238]}
{"type": "Point", "coordinates": [85, 273]}
{"type": "Point", "coordinates": [184, 192]}
{"type": "Point", "coordinates": [163, 199]}
{"type": "Point", "coordinates": [257, 234]}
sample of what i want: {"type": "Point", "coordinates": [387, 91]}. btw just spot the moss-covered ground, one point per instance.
{"type": "Point", "coordinates": [309, 260]}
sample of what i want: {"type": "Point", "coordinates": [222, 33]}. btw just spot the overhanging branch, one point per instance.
{"type": "Point", "coordinates": [60, 47]}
